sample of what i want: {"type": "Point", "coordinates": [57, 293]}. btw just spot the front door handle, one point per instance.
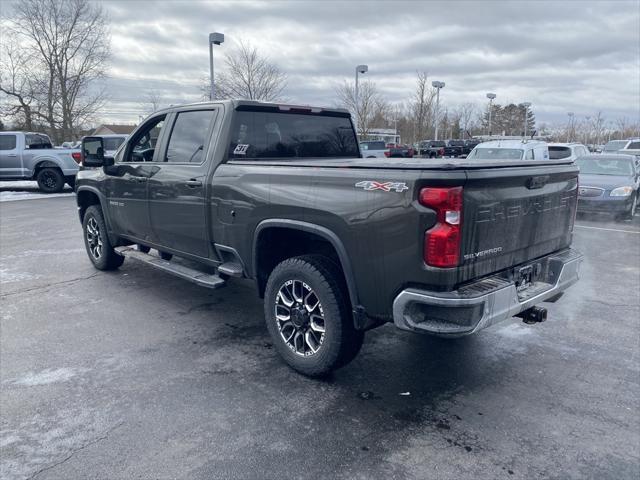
{"type": "Point", "coordinates": [12, 155]}
{"type": "Point", "coordinates": [193, 183]}
{"type": "Point", "coordinates": [138, 179]}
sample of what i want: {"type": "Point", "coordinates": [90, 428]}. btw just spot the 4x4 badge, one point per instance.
{"type": "Point", "coordinates": [384, 186]}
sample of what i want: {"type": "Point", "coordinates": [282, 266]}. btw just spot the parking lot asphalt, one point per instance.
{"type": "Point", "coordinates": [137, 374]}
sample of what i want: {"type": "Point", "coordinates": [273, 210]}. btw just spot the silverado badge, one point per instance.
{"type": "Point", "coordinates": [384, 186]}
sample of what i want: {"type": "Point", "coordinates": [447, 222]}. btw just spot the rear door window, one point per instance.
{"type": "Point", "coordinates": [633, 146]}
{"type": "Point", "coordinates": [557, 153]}
{"type": "Point", "coordinates": [273, 134]}
{"type": "Point", "coordinates": [189, 137]}
{"type": "Point", "coordinates": [7, 142]}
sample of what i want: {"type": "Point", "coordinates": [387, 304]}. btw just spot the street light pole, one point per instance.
{"type": "Point", "coordinates": [359, 69]}
{"type": "Point", "coordinates": [490, 96]}
{"type": "Point", "coordinates": [214, 39]}
{"type": "Point", "coordinates": [437, 85]}
{"type": "Point", "coordinates": [526, 106]}
{"type": "Point", "coordinates": [569, 128]}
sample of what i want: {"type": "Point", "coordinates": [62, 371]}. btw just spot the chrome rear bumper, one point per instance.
{"type": "Point", "coordinates": [483, 303]}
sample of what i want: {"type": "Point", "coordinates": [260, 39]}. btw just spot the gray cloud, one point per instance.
{"type": "Point", "coordinates": [576, 56]}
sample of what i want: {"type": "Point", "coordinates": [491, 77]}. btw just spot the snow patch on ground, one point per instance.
{"type": "Point", "coordinates": [47, 377]}
{"type": "Point", "coordinates": [514, 330]}
{"type": "Point", "coordinates": [27, 190]}
{"type": "Point", "coordinates": [8, 275]}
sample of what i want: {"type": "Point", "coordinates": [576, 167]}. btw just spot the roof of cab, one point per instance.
{"type": "Point", "coordinates": [236, 103]}
{"type": "Point", "coordinates": [522, 144]}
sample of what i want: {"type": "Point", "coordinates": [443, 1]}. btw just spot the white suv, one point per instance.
{"type": "Point", "coordinates": [630, 146]}
{"type": "Point", "coordinates": [510, 150]}
{"type": "Point", "coordinates": [564, 151]}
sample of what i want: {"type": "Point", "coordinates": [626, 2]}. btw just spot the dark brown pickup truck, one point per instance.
{"type": "Point", "coordinates": [336, 243]}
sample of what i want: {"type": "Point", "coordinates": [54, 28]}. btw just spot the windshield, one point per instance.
{"type": "Point", "coordinates": [112, 143]}
{"type": "Point", "coordinates": [496, 154]}
{"type": "Point", "coordinates": [615, 145]}
{"type": "Point", "coordinates": [605, 166]}
{"type": "Point", "coordinates": [372, 145]}
{"type": "Point", "coordinates": [557, 153]}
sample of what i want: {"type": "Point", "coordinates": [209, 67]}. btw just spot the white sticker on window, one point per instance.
{"type": "Point", "coordinates": [241, 149]}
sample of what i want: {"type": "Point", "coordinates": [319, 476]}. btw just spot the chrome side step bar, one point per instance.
{"type": "Point", "coordinates": [191, 274]}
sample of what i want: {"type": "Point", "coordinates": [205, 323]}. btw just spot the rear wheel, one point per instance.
{"type": "Point", "coordinates": [143, 249]}
{"type": "Point", "coordinates": [50, 180]}
{"type": "Point", "coordinates": [165, 255]}
{"type": "Point", "coordinates": [308, 315]}
{"type": "Point", "coordinates": [96, 241]}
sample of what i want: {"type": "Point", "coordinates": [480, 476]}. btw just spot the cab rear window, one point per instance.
{"type": "Point", "coordinates": [269, 135]}
{"type": "Point", "coordinates": [558, 153]}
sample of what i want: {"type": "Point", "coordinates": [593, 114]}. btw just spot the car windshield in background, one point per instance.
{"type": "Point", "coordinates": [456, 143]}
{"type": "Point", "coordinates": [496, 154]}
{"type": "Point", "coordinates": [614, 145]}
{"type": "Point", "coordinates": [112, 143]}
{"type": "Point", "coordinates": [259, 134]}
{"type": "Point", "coordinates": [557, 153]}
{"type": "Point", "coordinates": [373, 145]}
{"type": "Point", "coordinates": [605, 166]}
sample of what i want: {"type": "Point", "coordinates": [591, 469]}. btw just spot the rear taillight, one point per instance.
{"type": "Point", "coordinates": [76, 156]}
{"type": "Point", "coordinates": [387, 153]}
{"type": "Point", "coordinates": [442, 241]}
{"type": "Point", "coordinates": [441, 152]}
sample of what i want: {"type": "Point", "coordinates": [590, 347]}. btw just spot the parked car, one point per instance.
{"type": "Point", "coordinates": [510, 150]}
{"type": "Point", "coordinates": [629, 146]}
{"type": "Point", "coordinates": [336, 244]}
{"type": "Point", "coordinates": [374, 149]}
{"type": "Point", "coordinates": [454, 148]}
{"type": "Point", "coordinates": [470, 145]}
{"type": "Point", "coordinates": [400, 151]}
{"type": "Point", "coordinates": [31, 156]}
{"type": "Point", "coordinates": [431, 148]}
{"type": "Point", "coordinates": [568, 151]}
{"type": "Point", "coordinates": [608, 184]}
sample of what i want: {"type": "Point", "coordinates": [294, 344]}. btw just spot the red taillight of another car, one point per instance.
{"type": "Point", "coordinates": [76, 156]}
{"type": "Point", "coordinates": [442, 241]}
{"type": "Point", "coordinates": [387, 153]}
{"type": "Point", "coordinates": [441, 152]}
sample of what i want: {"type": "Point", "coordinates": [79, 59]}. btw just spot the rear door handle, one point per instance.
{"type": "Point", "coordinates": [12, 155]}
{"type": "Point", "coordinates": [138, 179]}
{"type": "Point", "coordinates": [193, 183]}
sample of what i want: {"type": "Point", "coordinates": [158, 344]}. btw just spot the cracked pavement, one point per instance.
{"type": "Point", "coordinates": [137, 374]}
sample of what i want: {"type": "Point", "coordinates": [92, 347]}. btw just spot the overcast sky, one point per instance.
{"type": "Point", "coordinates": [562, 56]}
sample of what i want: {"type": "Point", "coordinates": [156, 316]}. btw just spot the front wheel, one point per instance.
{"type": "Point", "coordinates": [308, 315]}
{"type": "Point", "coordinates": [96, 241]}
{"type": "Point", "coordinates": [50, 180]}
{"type": "Point", "coordinates": [628, 215]}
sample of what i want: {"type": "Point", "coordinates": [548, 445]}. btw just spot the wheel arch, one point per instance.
{"type": "Point", "coordinates": [45, 163]}
{"type": "Point", "coordinates": [311, 231]}
{"type": "Point", "coordinates": [88, 196]}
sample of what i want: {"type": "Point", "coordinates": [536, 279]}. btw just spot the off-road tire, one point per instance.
{"type": "Point", "coordinates": [143, 248]}
{"type": "Point", "coordinates": [165, 256]}
{"type": "Point", "coordinates": [50, 180]}
{"type": "Point", "coordinates": [108, 259]}
{"type": "Point", "coordinates": [341, 341]}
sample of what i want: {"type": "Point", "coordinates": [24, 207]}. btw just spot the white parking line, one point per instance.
{"type": "Point", "coordinates": [609, 229]}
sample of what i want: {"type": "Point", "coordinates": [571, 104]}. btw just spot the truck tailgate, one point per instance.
{"type": "Point", "coordinates": [513, 215]}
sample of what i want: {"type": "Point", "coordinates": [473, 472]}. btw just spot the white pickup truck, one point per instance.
{"type": "Point", "coordinates": [31, 156]}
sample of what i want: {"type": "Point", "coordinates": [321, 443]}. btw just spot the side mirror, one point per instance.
{"type": "Point", "coordinates": [92, 152]}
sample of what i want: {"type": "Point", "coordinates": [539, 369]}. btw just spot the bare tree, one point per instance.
{"type": "Point", "coordinates": [421, 107]}
{"type": "Point", "coordinates": [249, 75]}
{"type": "Point", "coordinates": [370, 103]}
{"type": "Point", "coordinates": [466, 114]}
{"type": "Point", "coordinates": [622, 123]}
{"type": "Point", "coordinates": [70, 41]}
{"type": "Point", "coordinates": [152, 101]}
{"type": "Point", "coordinates": [17, 83]}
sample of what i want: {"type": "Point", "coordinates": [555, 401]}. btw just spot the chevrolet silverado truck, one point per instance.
{"type": "Point", "coordinates": [31, 156]}
{"type": "Point", "coordinates": [336, 244]}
